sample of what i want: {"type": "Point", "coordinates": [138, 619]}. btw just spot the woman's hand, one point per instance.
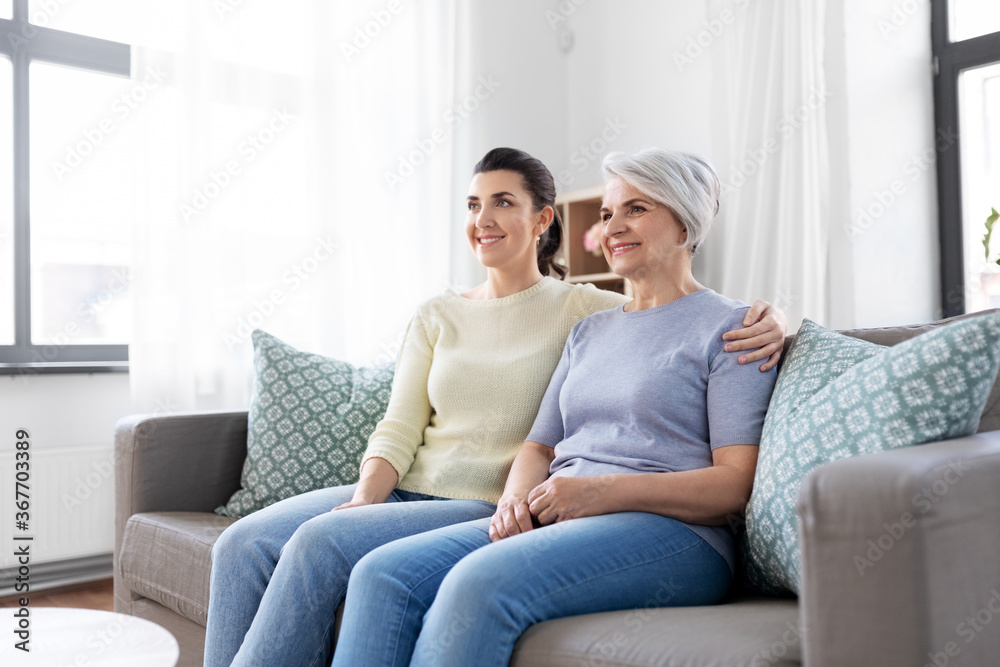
{"type": "Point", "coordinates": [353, 502]}
{"type": "Point", "coordinates": [511, 518]}
{"type": "Point", "coordinates": [378, 479]}
{"type": "Point", "coordinates": [765, 338]}
{"type": "Point", "coordinates": [562, 498]}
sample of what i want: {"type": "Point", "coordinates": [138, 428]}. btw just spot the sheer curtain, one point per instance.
{"type": "Point", "coordinates": [295, 173]}
{"type": "Point", "coordinates": [769, 113]}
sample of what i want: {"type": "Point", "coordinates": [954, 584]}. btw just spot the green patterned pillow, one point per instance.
{"type": "Point", "coordinates": [309, 422]}
{"type": "Point", "coordinates": [839, 396]}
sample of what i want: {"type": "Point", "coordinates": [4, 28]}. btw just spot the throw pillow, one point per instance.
{"type": "Point", "coordinates": [839, 396]}
{"type": "Point", "coordinates": [309, 421]}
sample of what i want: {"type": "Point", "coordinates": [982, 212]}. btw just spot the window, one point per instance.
{"type": "Point", "coordinates": [966, 40]}
{"type": "Point", "coordinates": [64, 303]}
{"type": "Point", "coordinates": [973, 18]}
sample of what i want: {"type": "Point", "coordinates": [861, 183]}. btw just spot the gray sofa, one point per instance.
{"type": "Point", "coordinates": [930, 576]}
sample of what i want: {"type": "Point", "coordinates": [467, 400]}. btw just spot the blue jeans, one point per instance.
{"type": "Point", "coordinates": [469, 599]}
{"type": "Point", "coordinates": [279, 574]}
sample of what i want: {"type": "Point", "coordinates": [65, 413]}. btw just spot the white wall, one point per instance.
{"type": "Point", "coordinates": [63, 410]}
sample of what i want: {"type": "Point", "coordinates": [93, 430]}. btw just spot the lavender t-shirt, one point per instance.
{"type": "Point", "coordinates": [653, 391]}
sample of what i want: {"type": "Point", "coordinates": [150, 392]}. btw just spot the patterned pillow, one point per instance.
{"type": "Point", "coordinates": [839, 396]}
{"type": "Point", "coordinates": [309, 422]}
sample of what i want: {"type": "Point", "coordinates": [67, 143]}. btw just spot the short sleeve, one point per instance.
{"type": "Point", "coordinates": [548, 428]}
{"type": "Point", "coordinates": [738, 394]}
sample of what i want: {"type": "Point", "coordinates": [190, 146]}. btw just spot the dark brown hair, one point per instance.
{"type": "Point", "coordinates": [541, 186]}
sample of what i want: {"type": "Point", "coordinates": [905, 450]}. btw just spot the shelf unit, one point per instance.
{"type": "Point", "coordinates": [579, 211]}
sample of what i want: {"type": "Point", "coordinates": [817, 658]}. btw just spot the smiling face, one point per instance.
{"type": "Point", "coordinates": [502, 223]}
{"type": "Point", "coordinates": [641, 237]}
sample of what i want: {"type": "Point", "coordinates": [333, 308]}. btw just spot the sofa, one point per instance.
{"type": "Point", "coordinates": [929, 601]}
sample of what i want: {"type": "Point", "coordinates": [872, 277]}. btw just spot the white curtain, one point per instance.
{"type": "Point", "coordinates": [296, 178]}
{"type": "Point", "coordinates": [769, 98]}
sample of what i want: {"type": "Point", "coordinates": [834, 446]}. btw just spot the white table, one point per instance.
{"type": "Point", "coordinates": [86, 638]}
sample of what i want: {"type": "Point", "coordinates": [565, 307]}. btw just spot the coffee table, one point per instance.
{"type": "Point", "coordinates": [64, 636]}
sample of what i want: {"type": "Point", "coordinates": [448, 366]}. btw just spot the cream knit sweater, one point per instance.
{"type": "Point", "coordinates": [469, 379]}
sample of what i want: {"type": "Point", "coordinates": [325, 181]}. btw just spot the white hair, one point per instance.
{"type": "Point", "coordinates": [684, 183]}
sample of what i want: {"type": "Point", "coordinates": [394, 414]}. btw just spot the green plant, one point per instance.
{"type": "Point", "coordinates": [989, 232]}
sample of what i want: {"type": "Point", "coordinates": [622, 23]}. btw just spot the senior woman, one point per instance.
{"type": "Point", "coordinates": [645, 441]}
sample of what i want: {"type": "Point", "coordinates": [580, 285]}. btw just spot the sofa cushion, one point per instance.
{"type": "Point", "coordinates": [838, 397]}
{"type": "Point", "coordinates": [167, 557]}
{"type": "Point", "coordinates": [990, 420]}
{"type": "Point", "coordinates": [748, 631]}
{"type": "Point", "coordinates": [309, 421]}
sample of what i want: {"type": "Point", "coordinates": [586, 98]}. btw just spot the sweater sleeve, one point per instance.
{"type": "Point", "coordinates": [401, 431]}
{"type": "Point", "coordinates": [590, 300]}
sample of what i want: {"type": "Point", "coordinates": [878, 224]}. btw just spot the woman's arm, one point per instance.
{"type": "Point", "coordinates": [706, 496]}
{"type": "Point", "coordinates": [765, 338]}
{"type": "Point", "coordinates": [401, 431]}
{"type": "Point", "coordinates": [530, 468]}
{"type": "Point", "coordinates": [378, 479]}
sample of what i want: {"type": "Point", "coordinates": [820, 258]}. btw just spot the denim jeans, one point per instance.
{"type": "Point", "coordinates": [469, 599]}
{"type": "Point", "coordinates": [279, 574]}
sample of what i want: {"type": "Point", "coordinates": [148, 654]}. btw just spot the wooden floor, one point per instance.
{"type": "Point", "coordinates": [92, 595]}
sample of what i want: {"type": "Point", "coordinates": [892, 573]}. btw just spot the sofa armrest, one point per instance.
{"type": "Point", "coordinates": [181, 462]}
{"type": "Point", "coordinates": [899, 556]}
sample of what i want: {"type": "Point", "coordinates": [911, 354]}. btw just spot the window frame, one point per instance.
{"type": "Point", "coordinates": [23, 43]}
{"type": "Point", "coordinates": [950, 59]}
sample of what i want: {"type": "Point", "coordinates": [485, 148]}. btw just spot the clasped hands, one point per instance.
{"type": "Point", "coordinates": [556, 499]}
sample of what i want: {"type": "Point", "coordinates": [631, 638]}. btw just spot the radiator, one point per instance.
{"type": "Point", "coordinates": [71, 505]}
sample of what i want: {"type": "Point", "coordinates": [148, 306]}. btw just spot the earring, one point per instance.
{"type": "Point", "coordinates": [538, 241]}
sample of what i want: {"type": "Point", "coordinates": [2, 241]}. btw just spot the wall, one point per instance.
{"type": "Point", "coordinates": [622, 74]}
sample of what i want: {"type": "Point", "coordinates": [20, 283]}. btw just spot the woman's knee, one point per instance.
{"type": "Point", "coordinates": [373, 567]}
{"type": "Point", "coordinates": [476, 577]}
{"type": "Point", "coordinates": [236, 540]}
